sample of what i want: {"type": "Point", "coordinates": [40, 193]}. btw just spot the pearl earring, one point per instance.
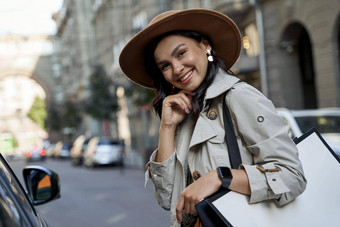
{"type": "Point", "coordinates": [210, 57]}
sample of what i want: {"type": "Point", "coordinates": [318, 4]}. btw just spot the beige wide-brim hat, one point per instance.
{"type": "Point", "coordinates": [223, 32]}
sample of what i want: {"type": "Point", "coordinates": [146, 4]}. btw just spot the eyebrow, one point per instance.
{"type": "Point", "coordinates": [176, 49]}
{"type": "Point", "coordinates": [172, 53]}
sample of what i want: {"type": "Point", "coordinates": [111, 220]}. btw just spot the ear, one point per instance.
{"type": "Point", "coordinates": [205, 44]}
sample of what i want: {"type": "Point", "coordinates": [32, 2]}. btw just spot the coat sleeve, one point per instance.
{"type": "Point", "coordinates": [276, 172]}
{"type": "Point", "coordinates": [162, 175]}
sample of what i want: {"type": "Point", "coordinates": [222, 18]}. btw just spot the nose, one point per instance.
{"type": "Point", "coordinates": [178, 68]}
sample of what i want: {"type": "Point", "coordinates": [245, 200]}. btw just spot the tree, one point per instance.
{"type": "Point", "coordinates": [140, 96]}
{"type": "Point", "coordinates": [102, 102]}
{"type": "Point", "coordinates": [38, 112]}
{"type": "Point", "coordinates": [53, 121]}
{"type": "Point", "coordinates": [71, 116]}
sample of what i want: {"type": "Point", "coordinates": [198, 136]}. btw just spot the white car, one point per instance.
{"type": "Point", "coordinates": [104, 151]}
{"type": "Point", "coordinates": [325, 120]}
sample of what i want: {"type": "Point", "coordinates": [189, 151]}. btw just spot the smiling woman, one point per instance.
{"type": "Point", "coordinates": [186, 56]}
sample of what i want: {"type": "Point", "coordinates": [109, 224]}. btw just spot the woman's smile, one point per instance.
{"type": "Point", "coordinates": [187, 77]}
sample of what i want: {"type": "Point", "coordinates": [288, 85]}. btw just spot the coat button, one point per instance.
{"type": "Point", "coordinates": [260, 119]}
{"type": "Point", "coordinates": [212, 115]}
{"type": "Point", "coordinates": [196, 175]}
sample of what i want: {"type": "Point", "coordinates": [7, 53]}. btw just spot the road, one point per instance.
{"type": "Point", "coordinates": [103, 196]}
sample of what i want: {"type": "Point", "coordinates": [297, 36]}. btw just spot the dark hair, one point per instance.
{"type": "Point", "coordinates": [164, 88]}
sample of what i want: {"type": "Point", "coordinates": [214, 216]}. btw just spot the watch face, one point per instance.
{"type": "Point", "coordinates": [226, 176]}
{"type": "Point", "coordinates": [225, 172]}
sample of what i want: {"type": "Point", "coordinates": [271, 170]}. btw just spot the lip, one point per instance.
{"type": "Point", "coordinates": [187, 77]}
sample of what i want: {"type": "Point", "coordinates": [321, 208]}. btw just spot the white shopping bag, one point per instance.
{"type": "Point", "coordinates": [318, 205]}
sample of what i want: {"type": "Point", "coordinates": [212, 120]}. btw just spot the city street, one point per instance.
{"type": "Point", "coordinates": [103, 196]}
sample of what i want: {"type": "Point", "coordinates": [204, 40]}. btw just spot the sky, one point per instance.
{"type": "Point", "coordinates": [28, 16]}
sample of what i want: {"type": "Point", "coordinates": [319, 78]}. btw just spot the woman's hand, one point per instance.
{"type": "Point", "coordinates": [175, 108]}
{"type": "Point", "coordinates": [206, 186]}
{"type": "Point", "coordinates": [195, 192]}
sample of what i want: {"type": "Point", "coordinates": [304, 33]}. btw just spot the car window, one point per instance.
{"type": "Point", "coordinates": [85, 144]}
{"type": "Point", "coordinates": [324, 124]}
{"type": "Point", "coordinates": [107, 142]}
{"type": "Point", "coordinates": [13, 185]}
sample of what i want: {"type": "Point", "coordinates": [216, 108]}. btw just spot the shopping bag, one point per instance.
{"type": "Point", "coordinates": [318, 205]}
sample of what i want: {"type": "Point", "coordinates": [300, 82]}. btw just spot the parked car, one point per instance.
{"type": "Point", "coordinates": [104, 151]}
{"type": "Point", "coordinates": [65, 151]}
{"type": "Point", "coordinates": [35, 154]}
{"type": "Point", "coordinates": [57, 149]}
{"type": "Point", "coordinates": [325, 120]}
{"type": "Point", "coordinates": [78, 150]}
{"type": "Point", "coordinates": [17, 206]}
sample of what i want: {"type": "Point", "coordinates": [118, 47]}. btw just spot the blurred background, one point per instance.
{"type": "Point", "coordinates": [63, 93]}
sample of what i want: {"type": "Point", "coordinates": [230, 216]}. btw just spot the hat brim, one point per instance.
{"type": "Point", "coordinates": [223, 32]}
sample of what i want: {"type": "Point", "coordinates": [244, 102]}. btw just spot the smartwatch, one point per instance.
{"type": "Point", "coordinates": [225, 175]}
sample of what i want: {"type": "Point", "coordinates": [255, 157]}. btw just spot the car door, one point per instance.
{"type": "Point", "coordinates": [16, 208]}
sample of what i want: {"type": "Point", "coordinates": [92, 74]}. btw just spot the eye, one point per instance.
{"type": "Point", "coordinates": [164, 67]}
{"type": "Point", "coordinates": [181, 53]}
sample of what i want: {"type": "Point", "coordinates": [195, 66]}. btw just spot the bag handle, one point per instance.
{"type": "Point", "coordinates": [230, 137]}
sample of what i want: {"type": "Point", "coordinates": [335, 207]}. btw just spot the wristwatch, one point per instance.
{"type": "Point", "coordinates": [225, 175]}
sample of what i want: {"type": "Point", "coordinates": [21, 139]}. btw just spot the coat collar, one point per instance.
{"type": "Point", "coordinates": [193, 133]}
{"type": "Point", "coordinates": [222, 83]}
{"type": "Point", "coordinates": [204, 130]}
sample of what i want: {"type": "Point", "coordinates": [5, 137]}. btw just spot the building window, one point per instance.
{"type": "Point", "coordinates": [250, 40]}
{"type": "Point", "coordinates": [139, 21]}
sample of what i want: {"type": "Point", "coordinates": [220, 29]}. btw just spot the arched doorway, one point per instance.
{"type": "Point", "coordinates": [297, 68]}
{"type": "Point", "coordinates": [18, 132]}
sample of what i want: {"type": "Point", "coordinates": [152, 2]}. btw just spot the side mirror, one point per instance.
{"type": "Point", "coordinates": [42, 184]}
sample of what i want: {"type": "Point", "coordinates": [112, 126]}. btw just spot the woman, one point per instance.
{"type": "Point", "coordinates": [185, 56]}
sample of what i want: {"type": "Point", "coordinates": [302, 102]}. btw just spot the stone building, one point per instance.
{"type": "Point", "coordinates": [76, 56]}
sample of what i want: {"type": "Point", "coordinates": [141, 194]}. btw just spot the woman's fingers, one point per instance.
{"type": "Point", "coordinates": [179, 209]}
{"type": "Point", "coordinates": [175, 108]}
{"type": "Point", "coordinates": [181, 100]}
{"type": "Point", "coordinates": [195, 192]}
{"type": "Point", "coordinates": [187, 98]}
{"type": "Point", "coordinates": [193, 209]}
{"type": "Point", "coordinates": [186, 203]}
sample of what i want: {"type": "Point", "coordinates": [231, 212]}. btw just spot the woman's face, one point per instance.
{"type": "Point", "coordinates": [182, 61]}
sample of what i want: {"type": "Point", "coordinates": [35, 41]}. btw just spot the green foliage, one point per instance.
{"type": "Point", "coordinates": [53, 118]}
{"type": "Point", "coordinates": [141, 96]}
{"type": "Point", "coordinates": [38, 112]}
{"type": "Point", "coordinates": [71, 116]}
{"type": "Point", "coordinates": [102, 101]}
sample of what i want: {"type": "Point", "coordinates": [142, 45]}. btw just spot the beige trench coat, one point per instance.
{"type": "Point", "coordinates": [262, 137]}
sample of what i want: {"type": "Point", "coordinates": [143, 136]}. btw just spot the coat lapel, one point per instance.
{"type": "Point", "coordinates": [204, 129]}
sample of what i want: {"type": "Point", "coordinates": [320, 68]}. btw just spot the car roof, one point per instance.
{"type": "Point", "coordinates": [312, 112]}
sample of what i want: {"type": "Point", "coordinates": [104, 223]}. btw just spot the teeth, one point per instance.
{"type": "Point", "coordinates": [186, 76]}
